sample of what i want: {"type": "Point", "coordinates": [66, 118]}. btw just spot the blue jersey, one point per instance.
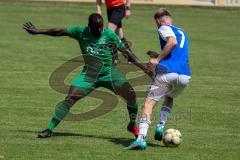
{"type": "Point", "coordinates": [177, 60]}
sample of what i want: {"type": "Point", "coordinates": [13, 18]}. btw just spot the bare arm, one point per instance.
{"type": "Point", "coordinates": [152, 54]}
{"type": "Point", "coordinates": [133, 58]}
{"type": "Point", "coordinates": [98, 6]}
{"type": "Point", "coordinates": [171, 43]}
{"type": "Point", "coordinates": [30, 28]}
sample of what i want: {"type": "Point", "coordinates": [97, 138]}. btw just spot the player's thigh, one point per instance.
{"type": "Point", "coordinates": [115, 15]}
{"type": "Point", "coordinates": [159, 88]}
{"type": "Point", "coordinates": [126, 91]}
{"type": "Point", "coordinates": [181, 83]}
{"type": "Point", "coordinates": [82, 84]}
{"type": "Point", "coordinates": [120, 86]}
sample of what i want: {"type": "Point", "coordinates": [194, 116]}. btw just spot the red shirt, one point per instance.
{"type": "Point", "coordinates": [113, 3]}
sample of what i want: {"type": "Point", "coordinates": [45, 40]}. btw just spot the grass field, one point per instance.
{"type": "Point", "coordinates": [207, 113]}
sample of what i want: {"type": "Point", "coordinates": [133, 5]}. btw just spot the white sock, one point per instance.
{"type": "Point", "coordinates": [143, 128]}
{"type": "Point", "coordinates": [165, 110]}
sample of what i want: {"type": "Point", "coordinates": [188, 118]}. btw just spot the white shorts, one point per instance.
{"type": "Point", "coordinates": [167, 84]}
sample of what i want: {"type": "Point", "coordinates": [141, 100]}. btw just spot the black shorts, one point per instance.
{"type": "Point", "coordinates": [115, 15]}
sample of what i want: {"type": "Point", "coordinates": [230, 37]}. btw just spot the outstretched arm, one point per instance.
{"type": "Point", "coordinates": [132, 58]}
{"type": "Point", "coordinates": [30, 28]}
{"type": "Point", "coordinates": [152, 54]}
{"type": "Point", "coordinates": [124, 48]}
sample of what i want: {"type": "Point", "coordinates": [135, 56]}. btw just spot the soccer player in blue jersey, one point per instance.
{"type": "Point", "coordinates": [172, 75]}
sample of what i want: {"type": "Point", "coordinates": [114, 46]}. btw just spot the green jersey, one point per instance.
{"type": "Point", "coordinates": [97, 51]}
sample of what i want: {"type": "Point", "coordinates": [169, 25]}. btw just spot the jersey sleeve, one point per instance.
{"type": "Point", "coordinates": [75, 32]}
{"type": "Point", "coordinates": [166, 31]}
{"type": "Point", "coordinates": [114, 37]}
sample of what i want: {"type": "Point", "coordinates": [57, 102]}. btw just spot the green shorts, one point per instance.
{"type": "Point", "coordinates": [87, 83]}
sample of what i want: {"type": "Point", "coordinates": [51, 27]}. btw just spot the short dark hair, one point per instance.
{"type": "Point", "coordinates": [161, 12]}
{"type": "Point", "coordinates": [95, 19]}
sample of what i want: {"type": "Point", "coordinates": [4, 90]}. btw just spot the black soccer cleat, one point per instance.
{"type": "Point", "coordinates": [45, 133]}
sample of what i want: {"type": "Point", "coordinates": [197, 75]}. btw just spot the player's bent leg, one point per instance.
{"type": "Point", "coordinates": [75, 94]}
{"type": "Point", "coordinates": [159, 89]}
{"type": "Point", "coordinates": [128, 94]}
{"type": "Point", "coordinates": [179, 82]}
{"type": "Point", "coordinates": [145, 122]}
{"type": "Point", "coordinates": [62, 109]}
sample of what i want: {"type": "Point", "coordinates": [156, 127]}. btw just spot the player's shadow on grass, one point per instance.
{"type": "Point", "coordinates": [117, 140]}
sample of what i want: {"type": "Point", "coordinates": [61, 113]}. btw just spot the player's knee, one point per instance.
{"type": "Point", "coordinates": [71, 100]}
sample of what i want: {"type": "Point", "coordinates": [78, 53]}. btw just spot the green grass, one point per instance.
{"type": "Point", "coordinates": [207, 113]}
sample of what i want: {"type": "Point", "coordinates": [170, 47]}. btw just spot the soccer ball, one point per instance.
{"type": "Point", "coordinates": [172, 138]}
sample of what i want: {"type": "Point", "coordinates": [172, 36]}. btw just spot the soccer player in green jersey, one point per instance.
{"type": "Point", "coordinates": [99, 71]}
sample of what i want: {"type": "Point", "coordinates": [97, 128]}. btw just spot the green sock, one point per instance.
{"type": "Point", "coordinates": [132, 111]}
{"type": "Point", "coordinates": [61, 111]}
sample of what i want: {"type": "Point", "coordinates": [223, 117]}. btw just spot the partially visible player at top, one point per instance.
{"type": "Point", "coordinates": [116, 11]}
{"type": "Point", "coordinates": [172, 75]}
{"type": "Point", "coordinates": [96, 45]}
